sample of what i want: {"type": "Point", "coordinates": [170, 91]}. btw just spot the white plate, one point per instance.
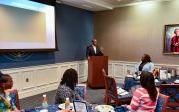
{"type": "Point", "coordinates": [176, 81]}
{"type": "Point", "coordinates": [44, 110]}
{"type": "Point", "coordinates": [104, 108]}
{"type": "Point", "coordinates": [156, 80]}
{"type": "Point", "coordinates": [62, 106]}
{"type": "Point", "coordinates": [138, 77]}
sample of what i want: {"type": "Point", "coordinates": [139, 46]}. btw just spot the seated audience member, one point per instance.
{"type": "Point", "coordinates": [66, 87]}
{"type": "Point", "coordinates": [156, 72]}
{"type": "Point", "coordinates": [145, 64]}
{"type": "Point", "coordinates": [5, 105]}
{"type": "Point", "coordinates": [145, 97]}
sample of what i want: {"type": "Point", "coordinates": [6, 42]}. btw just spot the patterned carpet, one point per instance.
{"type": "Point", "coordinates": [94, 96]}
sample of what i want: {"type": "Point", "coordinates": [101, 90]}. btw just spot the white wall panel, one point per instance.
{"type": "Point", "coordinates": [82, 74]}
{"type": "Point", "coordinates": [16, 77]}
{"type": "Point", "coordinates": [118, 69]}
{"type": "Point", "coordinates": [110, 69]}
{"type": "Point", "coordinates": [130, 67]}
{"type": "Point", "coordinates": [28, 80]}
{"type": "Point", "coordinates": [39, 79]}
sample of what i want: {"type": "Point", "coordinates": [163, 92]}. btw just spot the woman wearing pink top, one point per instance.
{"type": "Point", "coordinates": [144, 98]}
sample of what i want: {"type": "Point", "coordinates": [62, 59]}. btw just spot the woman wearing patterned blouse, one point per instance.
{"type": "Point", "coordinates": [66, 87]}
{"type": "Point", "coordinates": [4, 103]}
{"type": "Point", "coordinates": [5, 100]}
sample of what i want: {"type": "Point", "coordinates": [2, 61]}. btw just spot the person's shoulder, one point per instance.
{"type": "Point", "coordinates": [174, 37]}
{"type": "Point", "coordinates": [89, 46]}
{"type": "Point", "coordinates": [140, 90]}
{"type": "Point", "coordinates": [62, 87]}
{"type": "Point", "coordinates": [151, 63]}
{"type": "Point", "coordinates": [65, 87]}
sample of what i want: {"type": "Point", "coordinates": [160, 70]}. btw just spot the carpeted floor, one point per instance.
{"type": "Point", "coordinates": [94, 96]}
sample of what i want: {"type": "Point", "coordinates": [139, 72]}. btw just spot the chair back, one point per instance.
{"type": "Point", "coordinates": [111, 92]}
{"type": "Point", "coordinates": [171, 90]}
{"type": "Point", "coordinates": [80, 89]}
{"type": "Point", "coordinates": [14, 97]}
{"type": "Point", "coordinates": [162, 103]}
{"type": "Point", "coordinates": [111, 88]}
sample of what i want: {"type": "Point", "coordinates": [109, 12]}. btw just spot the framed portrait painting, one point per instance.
{"type": "Point", "coordinates": [171, 39]}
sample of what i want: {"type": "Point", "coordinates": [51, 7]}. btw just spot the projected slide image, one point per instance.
{"type": "Point", "coordinates": [26, 25]}
{"type": "Point", "coordinates": [22, 25]}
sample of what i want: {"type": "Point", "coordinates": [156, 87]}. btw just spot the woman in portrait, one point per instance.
{"type": "Point", "coordinates": [175, 41]}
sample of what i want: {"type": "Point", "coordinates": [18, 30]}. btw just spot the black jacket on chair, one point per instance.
{"type": "Point", "coordinates": [90, 51]}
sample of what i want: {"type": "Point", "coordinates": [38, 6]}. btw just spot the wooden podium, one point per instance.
{"type": "Point", "coordinates": [95, 66]}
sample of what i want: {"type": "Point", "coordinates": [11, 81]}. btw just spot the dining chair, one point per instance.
{"type": "Point", "coordinates": [111, 92]}
{"type": "Point", "coordinates": [162, 103]}
{"type": "Point", "coordinates": [171, 90]}
{"type": "Point", "coordinates": [106, 99]}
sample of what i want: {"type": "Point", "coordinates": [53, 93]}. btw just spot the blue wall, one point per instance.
{"type": "Point", "coordinates": [74, 31]}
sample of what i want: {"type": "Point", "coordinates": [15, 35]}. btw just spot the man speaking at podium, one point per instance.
{"type": "Point", "coordinates": [93, 49]}
{"type": "Point", "coordinates": [96, 62]}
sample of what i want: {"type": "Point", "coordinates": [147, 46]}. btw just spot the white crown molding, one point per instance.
{"type": "Point", "coordinates": [100, 3]}
{"type": "Point", "coordinates": [91, 5]}
{"type": "Point", "coordinates": [137, 3]}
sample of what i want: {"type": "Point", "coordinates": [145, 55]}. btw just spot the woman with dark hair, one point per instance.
{"type": "Point", "coordinates": [145, 64]}
{"type": "Point", "coordinates": [66, 87]}
{"type": "Point", "coordinates": [145, 98]}
{"type": "Point", "coordinates": [5, 104]}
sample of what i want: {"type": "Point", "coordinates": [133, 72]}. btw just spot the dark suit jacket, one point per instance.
{"type": "Point", "coordinates": [90, 51]}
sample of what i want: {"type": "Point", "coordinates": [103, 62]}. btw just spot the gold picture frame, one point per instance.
{"type": "Point", "coordinates": [171, 42]}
